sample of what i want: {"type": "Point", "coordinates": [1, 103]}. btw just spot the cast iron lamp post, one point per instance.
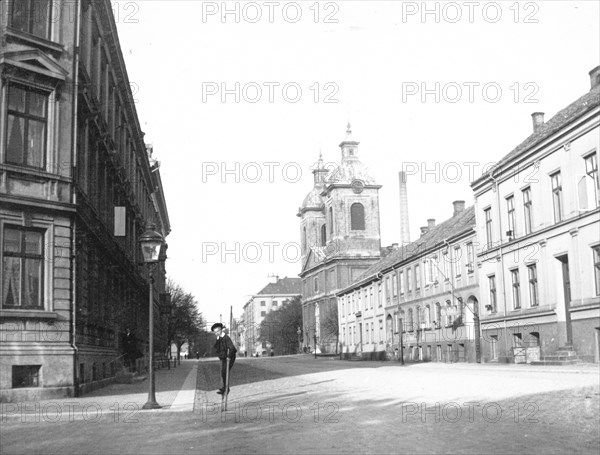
{"type": "Point", "coordinates": [151, 243]}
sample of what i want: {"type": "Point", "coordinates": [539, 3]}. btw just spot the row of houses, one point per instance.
{"type": "Point", "coordinates": [78, 184]}
{"type": "Point", "coordinates": [514, 277]}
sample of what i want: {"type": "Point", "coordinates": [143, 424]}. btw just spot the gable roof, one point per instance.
{"type": "Point", "coordinates": [452, 227]}
{"type": "Point", "coordinates": [560, 120]}
{"type": "Point", "coordinates": [283, 286]}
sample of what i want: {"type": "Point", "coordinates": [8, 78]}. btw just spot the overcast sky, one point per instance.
{"type": "Point", "coordinates": [366, 62]}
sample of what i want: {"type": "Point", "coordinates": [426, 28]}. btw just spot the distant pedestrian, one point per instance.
{"type": "Point", "coordinates": [225, 349]}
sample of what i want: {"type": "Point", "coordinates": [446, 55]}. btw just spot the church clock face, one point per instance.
{"type": "Point", "coordinates": [358, 186]}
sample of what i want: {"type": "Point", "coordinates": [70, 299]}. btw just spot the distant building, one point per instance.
{"type": "Point", "coordinates": [340, 240]}
{"type": "Point", "coordinates": [271, 297]}
{"type": "Point", "coordinates": [77, 186]}
{"type": "Point", "coordinates": [538, 224]}
{"type": "Point", "coordinates": [425, 291]}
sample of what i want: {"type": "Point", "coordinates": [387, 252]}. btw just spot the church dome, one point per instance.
{"type": "Point", "coordinates": [350, 170]}
{"type": "Point", "coordinates": [313, 199]}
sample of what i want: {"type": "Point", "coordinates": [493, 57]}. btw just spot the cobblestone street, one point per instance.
{"type": "Point", "coordinates": [299, 404]}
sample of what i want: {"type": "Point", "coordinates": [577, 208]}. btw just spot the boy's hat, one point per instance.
{"type": "Point", "coordinates": [217, 325]}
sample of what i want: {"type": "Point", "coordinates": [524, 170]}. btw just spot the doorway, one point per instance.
{"type": "Point", "coordinates": [566, 282]}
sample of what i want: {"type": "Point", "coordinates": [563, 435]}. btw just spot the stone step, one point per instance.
{"type": "Point", "coordinates": [565, 352]}
{"type": "Point", "coordinates": [555, 362]}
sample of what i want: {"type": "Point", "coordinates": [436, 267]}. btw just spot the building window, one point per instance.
{"type": "Point", "coordinates": [528, 209]}
{"type": "Point", "coordinates": [408, 283]}
{"type": "Point", "coordinates": [591, 169]}
{"type": "Point", "coordinates": [510, 209]}
{"type": "Point", "coordinates": [470, 258]}
{"type": "Point", "coordinates": [457, 261]}
{"type": "Point", "coordinates": [27, 118]}
{"type": "Point", "coordinates": [274, 302]}
{"type": "Point", "coordinates": [31, 16]}
{"type": "Point", "coordinates": [446, 265]}
{"type": "Point", "coordinates": [388, 292]}
{"type": "Point", "coordinates": [304, 244]}
{"type": "Point", "coordinates": [557, 196]}
{"type": "Point", "coordinates": [371, 295]}
{"type": "Point", "coordinates": [357, 217]}
{"type": "Point", "coordinates": [417, 277]}
{"type": "Point", "coordinates": [331, 222]}
{"type": "Point", "coordinates": [401, 281]}
{"type": "Point", "coordinates": [427, 317]}
{"type": "Point", "coordinates": [492, 307]}
{"type": "Point", "coordinates": [381, 330]}
{"type": "Point", "coordinates": [25, 376]}
{"type": "Point", "coordinates": [438, 314]}
{"type": "Point", "coordinates": [488, 227]}
{"type": "Point", "coordinates": [323, 235]}
{"type": "Point", "coordinates": [449, 317]}
{"type": "Point", "coordinates": [263, 313]}
{"type": "Point", "coordinates": [516, 288]}
{"type": "Point", "coordinates": [596, 250]}
{"type": "Point", "coordinates": [22, 268]}
{"type": "Point", "coordinates": [409, 320]}
{"type": "Point", "coordinates": [533, 285]}
{"type": "Point", "coordinates": [380, 297]}
{"type": "Point", "coordinates": [263, 303]}
{"type": "Point", "coordinates": [373, 332]}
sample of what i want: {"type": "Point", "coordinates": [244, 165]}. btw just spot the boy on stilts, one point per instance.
{"type": "Point", "coordinates": [226, 352]}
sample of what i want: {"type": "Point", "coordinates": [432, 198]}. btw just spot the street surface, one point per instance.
{"type": "Point", "coordinates": [297, 404]}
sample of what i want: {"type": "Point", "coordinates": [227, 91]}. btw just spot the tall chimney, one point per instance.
{"type": "Point", "coordinates": [595, 78]}
{"type": "Point", "coordinates": [430, 223]}
{"type": "Point", "coordinates": [538, 120]}
{"type": "Point", "coordinates": [404, 226]}
{"type": "Point", "coordinates": [459, 207]}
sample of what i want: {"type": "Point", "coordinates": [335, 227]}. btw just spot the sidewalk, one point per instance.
{"type": "Point", "coordinates": [175, 389]}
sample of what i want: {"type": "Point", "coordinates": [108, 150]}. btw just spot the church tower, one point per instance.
{"type": "Point", "coordinates": [340, 240]}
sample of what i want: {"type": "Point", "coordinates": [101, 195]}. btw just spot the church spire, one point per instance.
{"type": "Point", "coordinates": [320, 171]}
{"type": "Point", "coordinates": [349, 146]}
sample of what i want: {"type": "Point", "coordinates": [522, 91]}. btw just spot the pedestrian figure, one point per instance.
{"type": "Point", "coordinates": [222, 345]}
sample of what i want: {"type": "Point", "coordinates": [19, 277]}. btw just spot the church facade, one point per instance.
{"type": "Point", "coordinates": [340, 240]}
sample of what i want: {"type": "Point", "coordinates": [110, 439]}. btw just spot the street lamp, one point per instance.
{"type": "Point", "coordinates": [299, 332]}
{"type": "Point", "coordinates": [151, 242]}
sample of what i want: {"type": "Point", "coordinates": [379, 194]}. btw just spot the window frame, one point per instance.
{"type": "Point", "coordinates": [516, 288]}
{"type": "Point", "coordinates": [532, 277]}
{"type": "Point", "coordinates": [27, 118]}
{"type": "Point", "coordinates": [527, 209]}
{"type": "Point", "coordinates": [357, 220]}
{"type": "Point", "coordinates": [23, 255]}
{"type": "Point", "coordinates": [557, 196]}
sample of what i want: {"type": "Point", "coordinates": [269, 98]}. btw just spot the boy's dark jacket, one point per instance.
{"type": "Point", "coordinates": [222, 344]}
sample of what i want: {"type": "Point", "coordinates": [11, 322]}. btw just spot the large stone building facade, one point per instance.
{"type": "Point", "coordinates": [538, 227]}
{"type": "Point", "coordinates": [272, 297]}
{"type": "Point", "coordinates": [421, 301]}
{"type": "Point", "coordinates": [340, 239]}
{"type": "Point", "coordinates": [77, 186]}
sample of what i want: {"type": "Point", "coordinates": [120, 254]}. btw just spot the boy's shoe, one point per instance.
{"type": "Point", "coordinates": [221, 391]}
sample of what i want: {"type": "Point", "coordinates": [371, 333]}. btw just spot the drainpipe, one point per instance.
{"type": "Point", "coordinates": [75, 75]}
{"type": "Point", "coordinates": [497, 189]}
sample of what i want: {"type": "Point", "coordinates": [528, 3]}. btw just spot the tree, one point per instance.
{"type": "Point", "coordinates": [279, 327]}
{"type": "Point", "coordinates": [186, 322]}
{"type": "Point", "coordinates": [331, 328]}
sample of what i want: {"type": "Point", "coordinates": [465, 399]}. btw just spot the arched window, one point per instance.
{"type": "Point", "coordinates": [427, 316]}
{"type": "Point", "coordinates": [448, 313]}
{"type": "Point", "coordinates": [304, 239]}
{"type": "Point", "coordinates": [323, 235]}
{"type": "Point", "coordinates": [418, 317]}
{"type": "Point", "coordinates": [357, 217]}
{"type": "Point", "coordinates": [438, 313]}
